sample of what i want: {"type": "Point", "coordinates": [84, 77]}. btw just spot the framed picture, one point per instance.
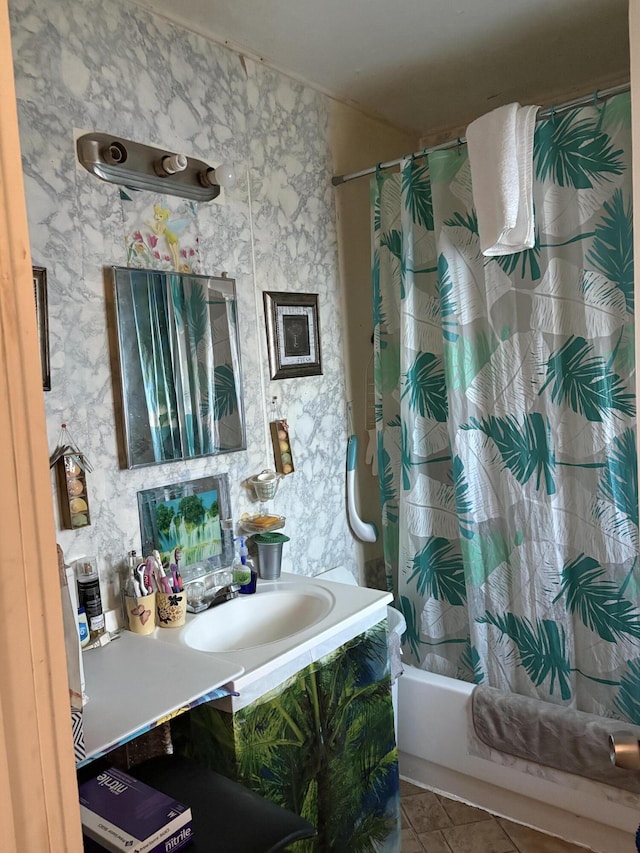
{"type": "Point", "coordinates": [293, 334]}
{"type": "Point", "coordinates": [42, 315]}
{"type": "Point", "coordinates": [194, 516]}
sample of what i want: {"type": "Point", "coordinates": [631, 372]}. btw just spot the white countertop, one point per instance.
{"type": "Point", "coordinates": [354, 610]}
{"type": "Point", "coordinates": [133, 682]}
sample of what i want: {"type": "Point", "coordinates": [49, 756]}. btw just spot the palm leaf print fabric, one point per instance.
{"type": "Point", "coordinates": [505, 412]}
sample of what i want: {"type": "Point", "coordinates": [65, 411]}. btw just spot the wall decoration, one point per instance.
{"type": "Point", "coordinates": [72, 489]}
{"type": "Point", "coordinates": [71, 467]}
{"type": "Point", "coordinates": [42, 315]}
{"type": "Point", "coordinates": [194, 516]}
{"type": "Point", "coordinates": [281, 446]}
{"type": "Point", "coordinates": [160, 232]}
{"type": "Point", "coordinates": [293, 334]}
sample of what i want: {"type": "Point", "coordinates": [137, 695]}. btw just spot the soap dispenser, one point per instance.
{"type": "Point", "coordinates": [243, 569]}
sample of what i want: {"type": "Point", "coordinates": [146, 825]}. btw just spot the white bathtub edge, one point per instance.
{"type": "Point", "coordinates": [433, 725]}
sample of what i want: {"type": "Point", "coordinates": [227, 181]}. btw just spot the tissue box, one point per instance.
{"type": "Point", "coordinates": [124, 815]}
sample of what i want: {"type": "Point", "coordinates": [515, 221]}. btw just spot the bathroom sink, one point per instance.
{"type": "Point", "coordinates": [255, 620]}
{"type": "Point", "coordinates": [282, 627]}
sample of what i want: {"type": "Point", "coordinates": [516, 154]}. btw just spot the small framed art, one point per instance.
{"type": "Point", "coordinates": [42, 315]}
{"type": "Point", "coordinates": [293, 334]}
{"type": "Point", "coordinates": [194, 517]}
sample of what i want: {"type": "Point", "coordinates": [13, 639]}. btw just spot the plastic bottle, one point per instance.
{"type": "Point", "coordinates": [89, 596]}
{"type": "Point", "coordinates": [83, 627]}
{"type": "Point", "coordinates": [249, 585]}
{"type": "Point", "coordinates": [243, 570]}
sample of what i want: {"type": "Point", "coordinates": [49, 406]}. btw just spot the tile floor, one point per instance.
{"type": "Point", "coordinates": [435, 824]}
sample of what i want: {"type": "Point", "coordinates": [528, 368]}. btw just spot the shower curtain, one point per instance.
{"type": "Point", "coordinates": [505, 415]}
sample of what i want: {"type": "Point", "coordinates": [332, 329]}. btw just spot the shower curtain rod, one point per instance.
{"type": "Point", "coordinates": [598, 95]}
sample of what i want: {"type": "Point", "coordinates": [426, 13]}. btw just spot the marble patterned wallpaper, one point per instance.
{"type": "Point", "coordinates": [121, 69]}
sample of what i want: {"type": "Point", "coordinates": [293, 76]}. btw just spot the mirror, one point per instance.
{"type": "Point", "coordinates": [180, 374]}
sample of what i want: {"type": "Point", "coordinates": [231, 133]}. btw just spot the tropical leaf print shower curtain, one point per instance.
{"type": "Point", "coordinates": [505, 412]}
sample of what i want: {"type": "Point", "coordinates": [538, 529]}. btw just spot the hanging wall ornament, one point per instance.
{"type": "Point", "coordinates": [71, 467]}
{"type": "Point", "coordinates": [282, 446]}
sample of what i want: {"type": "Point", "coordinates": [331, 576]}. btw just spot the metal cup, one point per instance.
{"type": "Point", "coordinates": [270, 554]}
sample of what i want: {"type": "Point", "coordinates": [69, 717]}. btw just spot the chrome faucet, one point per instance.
{"type": "Point", "coordinates": [225, 593]}
{"type": "Point", "coordinates": [212, 597]}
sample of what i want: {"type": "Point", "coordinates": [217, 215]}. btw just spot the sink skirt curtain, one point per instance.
{"type": "Point", "coordinates": [321, 744]}
{"type": "Point", "coordinates": [505, 414]}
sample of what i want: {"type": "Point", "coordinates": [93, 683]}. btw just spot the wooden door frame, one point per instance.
{"type": "Point", "coordinates": [39, 806]}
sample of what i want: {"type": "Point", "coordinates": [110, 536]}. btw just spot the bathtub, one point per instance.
{"type": "Point", "coordinates": [437, 751]}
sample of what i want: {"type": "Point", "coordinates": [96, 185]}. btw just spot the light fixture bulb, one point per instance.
{"type": "Point", "coordinates": [173, 163]}
{"type": "Point", "coordinates": [226, 175]}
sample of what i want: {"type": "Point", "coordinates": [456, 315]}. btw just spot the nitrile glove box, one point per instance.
{"type": "Point", "coordinates": [123, 815]}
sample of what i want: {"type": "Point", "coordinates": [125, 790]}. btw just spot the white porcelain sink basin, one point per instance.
{"type": "Point", "coordinates": [281, 628]}
{"type": "Point", "coordinates": [255, 620]}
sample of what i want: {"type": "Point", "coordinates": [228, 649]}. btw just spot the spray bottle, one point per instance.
{"type": "Point", "coordinates": [243, 569]}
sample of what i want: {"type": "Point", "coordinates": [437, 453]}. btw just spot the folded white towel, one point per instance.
{"type": "Point", "coordinates": [500, 146]}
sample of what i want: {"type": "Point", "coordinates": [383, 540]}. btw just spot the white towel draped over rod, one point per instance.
{"type": "Point", "coordinates": [598, 95]}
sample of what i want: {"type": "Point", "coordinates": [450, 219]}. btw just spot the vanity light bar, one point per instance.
{"type": "Point", "coordinates": [132, 164]}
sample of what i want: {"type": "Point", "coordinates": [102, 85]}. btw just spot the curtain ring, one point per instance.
{"type": "Point", "coordinates": [459, 146]}
{"type": "Point", "coordinates": [552, 114]}
{"type": "Point", "coordinates": [595, 99]}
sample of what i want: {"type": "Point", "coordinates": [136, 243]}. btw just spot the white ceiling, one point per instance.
{"type": "Point", "coordinates": [425, 65]}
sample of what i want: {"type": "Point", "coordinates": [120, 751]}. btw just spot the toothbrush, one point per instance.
{"type": "Point", "coordinates": [140, 576]}
{"type": "Point", "coordinates": [177, 554]}
{"type": "Point", "coordinates": [162, 579]}
{"type": "Point", "coordinates": [152, 570]}
{"type": "Point", "coordinates": [146, 574]}
{"type": "Point", "coordinates": [174, 575]}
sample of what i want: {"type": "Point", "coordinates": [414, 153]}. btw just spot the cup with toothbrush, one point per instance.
{"type": "Point", "coordinates": [140, 599]}
{"type": "Point", "coordinates": [171, 599]}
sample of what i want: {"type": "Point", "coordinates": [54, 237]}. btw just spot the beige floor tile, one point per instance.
{"type": "Point", "coordinates": [485, 836]}
{"type": "Point", "coordinates": [433, 842]}
{"type": "Point", "coordinates": [460, 813]}
{"type": "Point", "coordinates": [408, 788]}
{"type": "Point", "coordinates": [530, 841]}
{"type": "Point", "coordinates": [425, 812]}
{"type": "Point", "coordinates": [410, 843]}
